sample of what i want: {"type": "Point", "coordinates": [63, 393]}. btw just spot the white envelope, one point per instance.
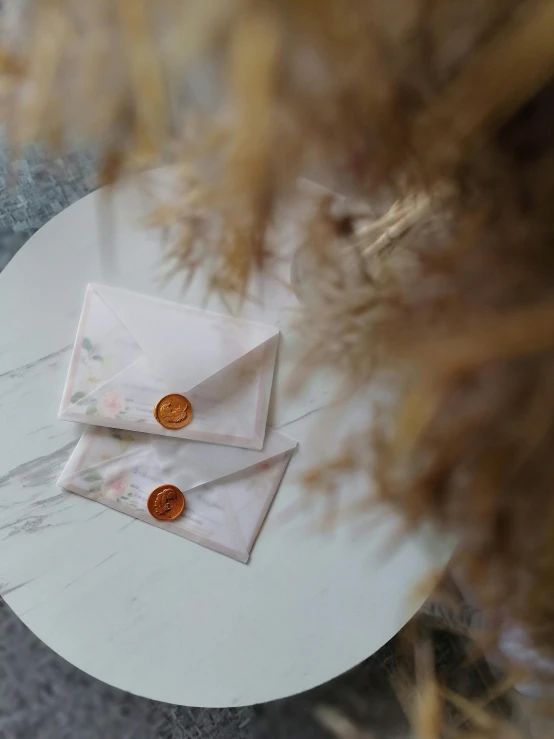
{"type": "Point", "coordinates": [131, 350]}
{"type": "Point", "coordinates": [228, 491]}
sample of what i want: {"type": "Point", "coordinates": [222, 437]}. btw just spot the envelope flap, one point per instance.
{"type": "Point", "coordinates": [188, 464]}
{"type": "Point", "coordinates": [184, 345]}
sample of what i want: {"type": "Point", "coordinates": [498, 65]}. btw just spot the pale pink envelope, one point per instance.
{"type": "Point", "coordinates": [132, 349]}
{"type": "Point", "coordinates": [228, 491]}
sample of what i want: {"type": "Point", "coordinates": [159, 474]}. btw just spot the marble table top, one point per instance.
{"type": "Point", "coordinates": [138, 608]}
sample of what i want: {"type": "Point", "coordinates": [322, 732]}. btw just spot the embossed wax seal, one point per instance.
{"type": "Point", "coordinates": [173, 411]}
{"type": "Point", "coordinates": [166, 503]}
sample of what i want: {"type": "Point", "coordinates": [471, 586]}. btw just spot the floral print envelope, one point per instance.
{"type": "Point", "coordinates": [228, 491]}
{"type": "Point", "coordinates": [132, 350]}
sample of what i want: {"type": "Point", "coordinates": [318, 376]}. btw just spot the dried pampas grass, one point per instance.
{"type": "Point", "coordinates": [439, 114]}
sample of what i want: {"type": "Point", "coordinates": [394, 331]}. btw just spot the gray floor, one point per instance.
{"type": "Point", "coordinates": [44, 697]}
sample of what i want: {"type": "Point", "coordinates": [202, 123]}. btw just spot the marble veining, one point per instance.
{"type": "Point", "coordinates": [20, 371]}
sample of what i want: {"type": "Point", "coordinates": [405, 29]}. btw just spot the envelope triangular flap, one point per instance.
{"type": "Point", "coordinates": [184, 345]}
{"type": "Point", "coordinates": [102, 328]}
{"type": "Point", "coordinates": [189, 464]}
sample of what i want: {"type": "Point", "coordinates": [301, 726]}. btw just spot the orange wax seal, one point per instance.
{"type": "Point", "coordinates": [166, 503]}
{"type": "Point", "coordinates": [173, 411]}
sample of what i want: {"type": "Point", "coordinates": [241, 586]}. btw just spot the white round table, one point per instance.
{"type": "Point", "coordinates": [130, 604]}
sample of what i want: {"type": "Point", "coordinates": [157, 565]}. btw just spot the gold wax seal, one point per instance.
{"type": "Point", "coordinates": [166, 503]}
{"type": "Point", "coordinates": [173, 411]}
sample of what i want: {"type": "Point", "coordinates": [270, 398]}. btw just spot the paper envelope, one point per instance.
{"type": "Point", "coordinates": [228, 491]}
{"type": "Point", "coordinates": [131, 350]}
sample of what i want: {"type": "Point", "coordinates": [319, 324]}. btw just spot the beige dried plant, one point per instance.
{"type": "Point", "coordinates": [437, 113]}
